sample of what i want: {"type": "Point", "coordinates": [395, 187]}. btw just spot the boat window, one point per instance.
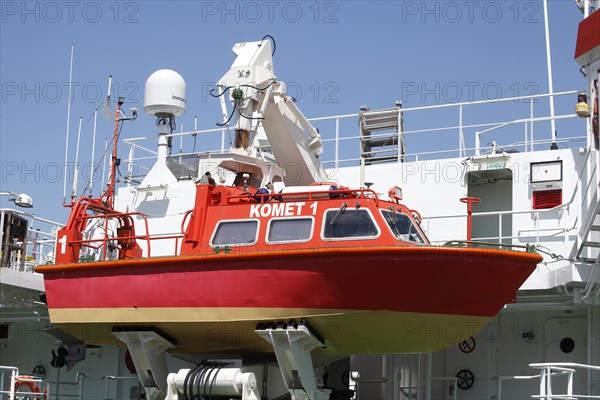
{"type": "Point", "coordinates": [346, 223]}
{"type": "Point", "coordinates": [235, 232]}
{"type": "Point", "coordinates": [290, 230]}
{"type": "Point", "coordinates": [402, 227]}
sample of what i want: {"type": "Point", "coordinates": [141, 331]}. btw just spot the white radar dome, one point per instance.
{"type": "Point", "coordinates": [164, 93]}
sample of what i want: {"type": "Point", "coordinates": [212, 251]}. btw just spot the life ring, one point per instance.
{"type": "Point", "coordinates": [28, 382]}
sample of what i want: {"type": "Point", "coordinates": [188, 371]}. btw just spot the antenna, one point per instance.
{"type": "Point", "coordinates": [109, 84]}
{"type": "Point", "coordinates": [195, 133]}
{"type": "Point", "coordinates": [181, 140]}
{"type": "Point", "coordinates": [93, 168]}
{"type": "Point", "coordinates": [68, 120]}
{"type": "Point", "coordinates": [553, 146]}
{"type": "Point", "coordinates": [104, 163]}
{"type": "Point", "coordinates": [76, 173]}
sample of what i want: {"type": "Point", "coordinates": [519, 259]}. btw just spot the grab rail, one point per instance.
{"type": "Point", "coordinates": [548, 370]}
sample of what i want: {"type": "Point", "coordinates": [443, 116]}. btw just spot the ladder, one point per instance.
{"type": "Point", "coordinates": [588, 236]}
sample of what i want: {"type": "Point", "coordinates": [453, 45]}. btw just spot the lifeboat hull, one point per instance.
{"type": "Point", "coordinates": [360, 300]}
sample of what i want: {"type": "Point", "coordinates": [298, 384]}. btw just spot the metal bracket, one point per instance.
{"type": "Point", "coordinates": [147, 346]}
{"type": "Point", "coordinates": [292, 346]}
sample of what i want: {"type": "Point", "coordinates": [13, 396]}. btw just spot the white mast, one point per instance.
{"type": "Point", "coordinates": [68, 120]}
{"type": "Point", "coordinates": [553, 146]}
{"type": "Point", "coordinates": [76, 173]}
{"type": "Point", "coordinates": [92, 168]}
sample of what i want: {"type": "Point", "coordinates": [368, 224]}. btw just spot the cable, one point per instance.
{"type": "Point", "coordinates": [246, 116]}
{"type": "Point", "coordinates": [169, 121]}
{"type": "Point", "coordinates": [230, 116]}
{"type": "Point", "coordinates": [259, 89]}
{"type": "Point", "coordinates": [218, 368]}
{"type": "Point", "coordinates": [273, 41]}
{"type": "Point", "coordinates": [204, 379]}
{"type": "Point", "coordinates": [211, 91]}
{"type": "Point", "coordinates": [187, 385]}
{"type": "Point", "coordinates": [201, 380]}
{"type": "Point", "coordinates": [545, 250]}
{"type": "Point", "coordinates": [250, 118]}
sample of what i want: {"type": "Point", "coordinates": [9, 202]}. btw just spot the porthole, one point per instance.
{"type": "Point", "coordinates": [567, 345]}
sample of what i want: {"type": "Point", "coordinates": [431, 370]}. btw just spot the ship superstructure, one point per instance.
{"type": "Point", "coordinates": [526, 189]}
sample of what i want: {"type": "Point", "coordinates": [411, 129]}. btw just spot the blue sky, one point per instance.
{"type": "Point", "coordinates": [335, 56]}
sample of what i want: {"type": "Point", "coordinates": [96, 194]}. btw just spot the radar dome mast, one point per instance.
{"type": "Point", "coordinates": [164, 98]}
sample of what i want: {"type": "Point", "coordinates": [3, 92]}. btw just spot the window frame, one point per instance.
{"type": "Point", "coordinates": [333, 239]}
{"type": "Point", "coordinates": [312, 229]}
{"type": "Point", "coordinates": [225, 221]}
{"type": "Point", "coordinates": [412, 222]}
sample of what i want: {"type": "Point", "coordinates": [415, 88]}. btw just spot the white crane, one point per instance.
{"type": "Point", "coordinates": [260, 101]}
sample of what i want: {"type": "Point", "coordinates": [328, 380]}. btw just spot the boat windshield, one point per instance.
{"type": "Point", "coordinates": [403, 227]}
{"type": "Point", "coordinates": [352, 224]}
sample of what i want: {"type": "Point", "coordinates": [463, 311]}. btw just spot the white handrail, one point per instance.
{"type": "Point", "coordinates": [38, 246]}
{"type": "Point", "coordinates": [79, 380]}
{"type": "Point", "coordinates": [518, 121]}
{"type": "Point", "coordinates": [547, 370]}
{"type": "Point", "coordinates": [513, 377]}
{"type": "Point", "coordinates": [337, 137]}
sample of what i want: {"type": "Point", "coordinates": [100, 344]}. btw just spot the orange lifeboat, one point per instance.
{"type": "Point", "coordinates": [357, 268]}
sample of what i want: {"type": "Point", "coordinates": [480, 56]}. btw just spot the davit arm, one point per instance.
{"type": "Point", "coordinates": [260, 102]}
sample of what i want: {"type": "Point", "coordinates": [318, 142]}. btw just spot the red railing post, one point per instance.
{"type": "Point", "coordinates": [470, 201]}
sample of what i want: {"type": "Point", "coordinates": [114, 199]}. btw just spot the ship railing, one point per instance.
{"type": "Point", "coordinates": [341, 132]}
{"type": "Point", "coordinates": [103, 245]}
{"type": "Point", "coordinates": [36, 388]}
{"type": "Point", "coordinates": [550, 370]}
{"type": "Point", "coordinates": [535, 235]}
{"type": "Point", "coordinates": [108, 245]}
{"type": "Point", "coordinates": [79, 382]}
{"type": "Point", "coordinates": [38, 246]}
{"type": "Point", "coordinates": [586, 185]}
{"type": "Point", "coordinates": [326, 192]}
{"type": "Point", "coordinates": [137, 165]}
{"type": "Point", "coordinates": [491, 245]}
{"type": "Point", "coordinates": [523, 121]}
{"type": "Point", "coordinates": [528, 144]}
{"type": "Point", "coordinates": [427, 155]}
{"type": "Point", "coordinates": [503, 379]}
